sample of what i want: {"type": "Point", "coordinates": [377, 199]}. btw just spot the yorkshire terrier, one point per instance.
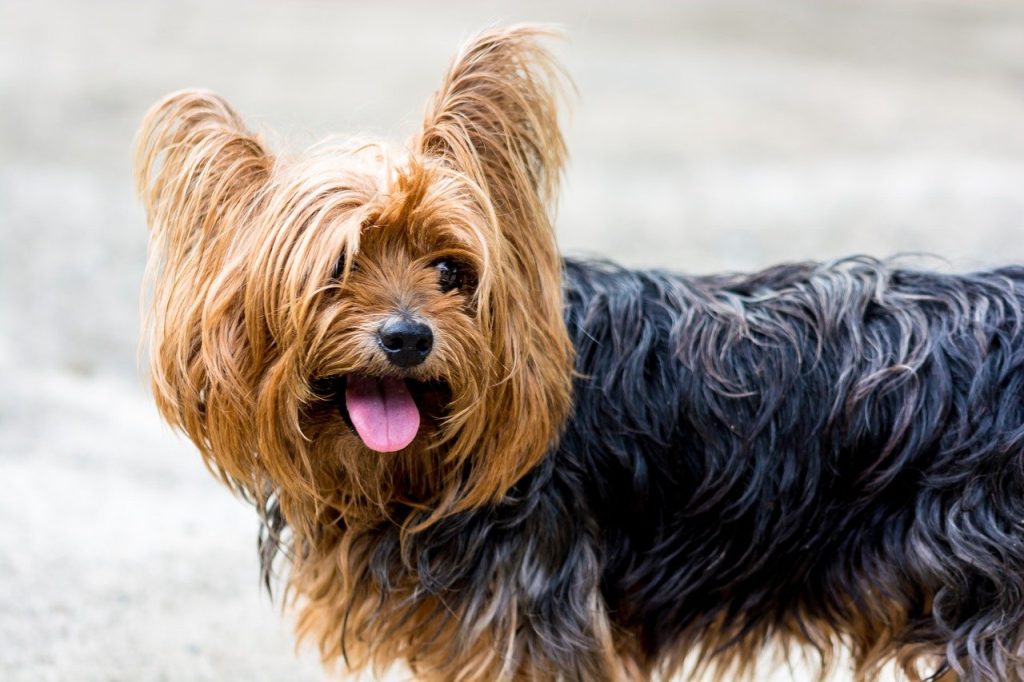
{"type": "Point", "coordinates": [488, 462]}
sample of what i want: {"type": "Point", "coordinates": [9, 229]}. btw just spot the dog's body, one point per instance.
{"type": "Point", "coordinates": [492, 464]}
{"type": "Point", "coordinates": [812, 451]}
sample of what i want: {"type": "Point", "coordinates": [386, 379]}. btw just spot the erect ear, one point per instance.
{"type": "Point", "coordinates": [494, 123]}
{"type": "Point", "coordinates": [199, 173]}
{"type": "Point", "coordinates": [197, 168]}
{"type": "Point", "coordinates": [495, 118]}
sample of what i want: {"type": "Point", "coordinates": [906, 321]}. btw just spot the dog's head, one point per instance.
{"type": "Point", "coordinates": [357, 326]}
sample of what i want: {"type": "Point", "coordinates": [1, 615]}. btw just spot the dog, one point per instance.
{"type": "Point", "coordinates": [488, 462]}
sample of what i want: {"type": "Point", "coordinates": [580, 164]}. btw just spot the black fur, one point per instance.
{"type": "Point", "coordinates": [756, 454]}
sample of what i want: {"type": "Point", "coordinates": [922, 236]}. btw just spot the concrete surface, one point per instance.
{"type": "Point", "coordinates": [707, 134]}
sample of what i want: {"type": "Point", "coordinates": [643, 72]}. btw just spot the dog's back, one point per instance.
{"type": "Point", "coordinates": [814, 451]}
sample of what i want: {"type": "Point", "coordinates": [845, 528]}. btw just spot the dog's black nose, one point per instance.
{"type": "Point", "coordinates": [406, 342]}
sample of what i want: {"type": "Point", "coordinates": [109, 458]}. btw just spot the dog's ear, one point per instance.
{"type": "Point", "coordinates": [494, 122]}
{"type": "Point", "coordinates": [196, 168]}
{"type": "Point", "coordinates": [495, 118]}
{"type": "Point", "coordinates": [199, 173]}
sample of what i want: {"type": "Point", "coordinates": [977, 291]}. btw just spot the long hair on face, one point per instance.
{"type": "Point", "coordinates": [251, 265]}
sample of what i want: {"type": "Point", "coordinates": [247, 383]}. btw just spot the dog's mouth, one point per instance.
{"type": "Point", "coordinates": [387, 413]}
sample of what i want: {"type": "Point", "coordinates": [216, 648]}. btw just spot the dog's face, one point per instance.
{"type": "Point", "coordinates": [401, 320]}
{"type": "Point", "coordinates": [357, 326]}
{"type": "Point", "coordinates": [405, 339]}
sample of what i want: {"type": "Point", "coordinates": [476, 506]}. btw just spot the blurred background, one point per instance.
{"type": "Point", "coordinates": [707, 135]}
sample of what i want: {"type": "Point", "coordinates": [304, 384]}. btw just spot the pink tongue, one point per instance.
{"type": "Point", "coordinates": [383, 412]}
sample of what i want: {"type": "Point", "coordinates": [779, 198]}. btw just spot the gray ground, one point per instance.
{"type": "Point", "coordinates": [715, 134]}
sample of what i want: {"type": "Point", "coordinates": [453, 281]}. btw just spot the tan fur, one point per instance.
{"type": "Point", "coordinates": [246, 316]}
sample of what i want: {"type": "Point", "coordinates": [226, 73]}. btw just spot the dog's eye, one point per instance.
{"type": "Point", "coordinates": [450, 274]}
{"type": "Point", "coordinates": [339, 267]}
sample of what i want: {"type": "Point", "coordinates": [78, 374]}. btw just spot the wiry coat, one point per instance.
{"type": "Point", "coordinates": [612, 474]}
{"type": "Point", "coordinates": [812, 451]}
{"type": "Point", "coordinates": [815, 454]}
